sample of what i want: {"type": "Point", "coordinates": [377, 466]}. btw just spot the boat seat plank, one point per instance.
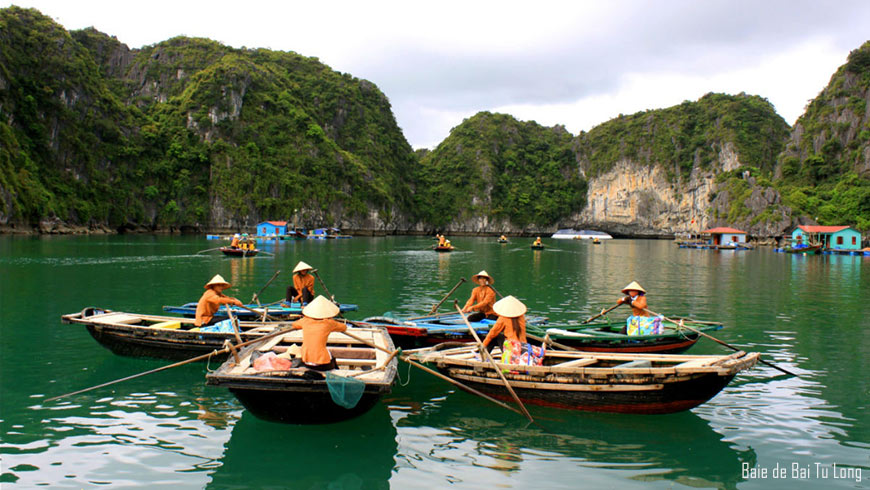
{"type": "Point", "coordinates": [118, 318]}
{"type": "Point", "coordinates": [576, 363]}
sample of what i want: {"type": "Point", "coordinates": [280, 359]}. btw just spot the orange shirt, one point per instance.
{"type": "Point", "coordinates": [510, 333]}
{"type": "Point", "coordinates": [638, 304]}
{"type": "Point", "coordinates": [314, 336]}
{"type": "Point", "coordinates": [235, 243]}
{"type": "Point", "coordinates": [300, 283]}
{"type": "Point", "coordinates": [209, 304]}
{"type": "Point", "coordinates": [482, 298]}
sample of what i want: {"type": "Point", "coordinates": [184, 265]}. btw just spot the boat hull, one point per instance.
{"type": "Point", "coordinates": [443, 249]}
{"type": "Point", "coordinates": [160, 345]}
{"type": "Point", "coordinates": [305, 405]}
{"type": "Point", "coordinates": [188, 310]}
{"type": "Point", "coordinates": [639, 399]}
{"type": "Point", "coordinates": [237, 252]}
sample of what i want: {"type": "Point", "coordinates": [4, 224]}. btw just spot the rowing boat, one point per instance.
{"type": "Point", "coordinates": [429, 330]}
{"type": "Point", "coordinates": [300, 395]}
{"type": "Point", "coordinates": [253, 311]}
{"type": "Point", "coordinates": [162, 337]}
{"type": "Point", "coordinates": [439, 248]}
{"type": "Point", "coordinates": [238, 252]}
{"type": "Point", "coordinates": [598, 382]}
{"type": "Point", "coordinates": [806, 250]}
{"type": "Point", "coordinates": [608, 337]}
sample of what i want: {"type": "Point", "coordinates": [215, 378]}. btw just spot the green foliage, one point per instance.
{"type": "Point", "coordinates": [689, 135]}
{"type": "Point", "coordinates": [493, 165]}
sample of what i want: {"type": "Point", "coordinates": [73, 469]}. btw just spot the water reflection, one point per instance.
{"type": "Point", "coordinates": [464, 434]}
{"type": "Point", "coordinates": [358, 453]}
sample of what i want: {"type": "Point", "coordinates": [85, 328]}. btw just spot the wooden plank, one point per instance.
{"type": "Point", "coordinates": [585, 361]}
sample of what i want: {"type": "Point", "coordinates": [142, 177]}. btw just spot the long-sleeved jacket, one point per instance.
{"type": "Point", "coordinates": [511, 332]}
{"type": "Point", "coordinates": [315, 333]}
{"type": "Point", "coordinates": [482, 298]}
{"type": "Point", "coordinates": [209, 304]}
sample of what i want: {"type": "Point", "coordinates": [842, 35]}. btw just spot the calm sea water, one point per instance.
{"type": "Point", "coordinates": [808, 314]}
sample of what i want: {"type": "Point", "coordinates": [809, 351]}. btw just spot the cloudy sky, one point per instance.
{"type": "Point", "coordinates": [575, 63]}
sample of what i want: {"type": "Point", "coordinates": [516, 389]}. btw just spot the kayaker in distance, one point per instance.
{"type": "Point", "coordinates": [316, 325]}
{"type": "Point", "coordinates": [482, 298]}
{"type": "Point", "coordinates": [212, 299]}
{"type": "Point", "coordinates": [302, 289]}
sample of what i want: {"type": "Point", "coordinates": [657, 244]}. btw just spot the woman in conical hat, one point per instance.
{"type": "Point", "coordinates": [640, 322]}
{"type": "Point", "coordinates": [212, 299]}
{"type": "Point", "coordinates": [302, 289]}
{"type": "Point", "coordinates": [316, 325]}
{"type": "Point", "coordinates": [635, 296]}
{"type": "Point", "coordinates": [482, 298]}
{"type": "Point", "coordinates": [511, 323]}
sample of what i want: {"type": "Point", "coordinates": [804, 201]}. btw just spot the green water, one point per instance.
{"type": "Point", "coordinates": [807, 314]}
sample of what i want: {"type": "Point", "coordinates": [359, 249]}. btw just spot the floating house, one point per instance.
{"type": "Point", "coordinates": [830, 237]}
{"type": "Point", "coordinates": [725, 236]}
{"type": "Point", "coordinates": [272, 228]}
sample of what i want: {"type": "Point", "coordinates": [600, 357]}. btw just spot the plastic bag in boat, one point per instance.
{"type": "Point", "coordinates": [271, 362]}
{"type": "Point", "coordinates": [644, 325]}
{"type": "Point", "coordinates": [225, 326]}
{"type": "Point", "coordinates": [514, 352]}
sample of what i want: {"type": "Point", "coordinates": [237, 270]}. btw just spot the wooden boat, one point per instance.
{"type": "Point", "coordinates": [429, 330]}
{"type": "Point", "coordinates": [596, 241]}
{"type": "Point", "coordinates": [238, 252]}
{"type": "Point", "coordinates": [162, 337]}
{"type": "Point", "coordinates": [606, 337]}
{"type": "Point", "coordinates": [439, 248]}
{"type": "Point", "coordinates": [537, 247]}
{"type": "Point", "coordinates": [598, 382]}
{"type": "Point", "coordinates": [502, 241]}
{"type": "Point", "coordinates": [272, 309]}
{"type": "Point", "coordinates": [807, 250]}
{"type": "Point", "coordinates": [301, 396]}
{"type": "Point", "coordinates": [295, 234]}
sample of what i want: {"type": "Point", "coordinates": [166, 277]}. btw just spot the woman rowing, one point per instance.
{"type": "Point", "coordinates": [302, 289]}
{"type": "Point", "coordinates": [316, 325]}
{"type": "Point", "coordinates": [212, 299]}
{"type": "Point", "coordinates": [482, 298]}
{"type": "Point", "coordinates": [640, 322]}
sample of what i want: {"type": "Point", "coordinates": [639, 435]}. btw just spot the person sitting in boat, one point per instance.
{"type": "Point", "coordinates": [511, 323]}
{"type": "Point", "coordinates": [537, 242]}
{"type": "Point", "coordinates": [640, 322]}
{"type": "Point", "coordinates": [302, 289]}
{"type": "Point", "coordinates": [482, 298]}
{"type": "Point", "coordinates": [252, 243]}
{"type": "Point", "coordinates": [235, 242]}
{"type": "Point", "coordinates": [316, 324]}
{"type": "Point", "coordinates": [502, 238]}
{"type": "Point", "coordinates": [442, 241]}
{"type": "Point", "coordinates": [212, 299]}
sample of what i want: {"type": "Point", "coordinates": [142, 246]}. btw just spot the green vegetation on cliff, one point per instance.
{"type": "Point", "coordinates": [826, 168]}
{"type": "Point", "coordinates": [495, 166]}
{"type": "Point", "coordinates": [186, 132]}
{"type": "Point", "coordinates": [687, 136]}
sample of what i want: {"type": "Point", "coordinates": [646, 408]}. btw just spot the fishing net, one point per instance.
{"type": "Point", "coordinates": [345, 392]}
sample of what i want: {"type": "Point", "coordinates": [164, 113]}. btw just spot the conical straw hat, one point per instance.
{"type": "Point", "coordinates": [320, 308]}
{"type": "Point", "coordinates": [302, 266]}
{"type": "Point", "coordinates": [634, 286]}
{"type": "Point", "coordinates": [509, 307]}
{"type": "Point", "coordinates": [482, 274]}
{"type": "Point", "coordinates": [217, 279]}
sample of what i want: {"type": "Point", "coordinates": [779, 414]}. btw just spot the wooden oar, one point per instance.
{"type": "Point", "coordinates": [714, 339]}
{"type": "Point", "coordinates": [435, 307]}
{"type": "Point", "coordinates": [170, 366]}
{"type": "Point", "coordinates": [256, 296]}
{"type": "Point", "coordinates": [325, 289]}
{"type": "Point", "coordinates": [484, 352]}
{"type": "Point", "coordinates": [432, 371]}
{"type": "Point", "coordinates": [209, 250]}
{"type": "Point", "coordinates": [234, 323]}
{"type": "Point", "coordinates": [603, 312]}
{"type": "Point", "coordinates": [270, 317]}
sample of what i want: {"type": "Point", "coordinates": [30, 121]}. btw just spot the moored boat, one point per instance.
{"type": "Point", "coordinates": [302, 396]}
{"type": "Point", "coordinates": [278, 310]}
{"type": "Point", "coordinates": [805, 250]}
{"type": "Point", "coordinates": [239, 252]}
{"type": "Point", "coordinates": [429, 330]}
{"type": "Point", "coordinates": [607, 337]}
{"type": "Point", "coordinates": [598, 382]}
{"type": "Point", "coordinates": [158, 336]}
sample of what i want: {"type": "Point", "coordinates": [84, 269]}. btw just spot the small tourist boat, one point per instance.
{"type": "Point", "coordinates": [439, 248]}
{"type": "Point", "coordinates": [572, 234]}
{"type": "Point", "coordinates": [503, 241]}
{"type": "Point", "coordinates": [238, 252]}
{"type": "Point", "coordinates": [300, 395]}
{"type": "Point", "coordinates": [162, 337]}
{"type": "Point", "coordinates": [537, 247]}
{"type": "Point", "coordinates": [277, 309]}
{"type": "Point", "coordinates": [423, 331]}
{"type": "Point", "coordinates": [805, 250]}
{"type": "Point", "coordinates": [597, 382]}
{"type": "Point", "coordinates": [607, 337]}
{"type": "Point", "coordinates": [596, 241]}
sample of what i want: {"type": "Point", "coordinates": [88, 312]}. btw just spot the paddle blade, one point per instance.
{"type": "Point", "coordinates": [345, 392]}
